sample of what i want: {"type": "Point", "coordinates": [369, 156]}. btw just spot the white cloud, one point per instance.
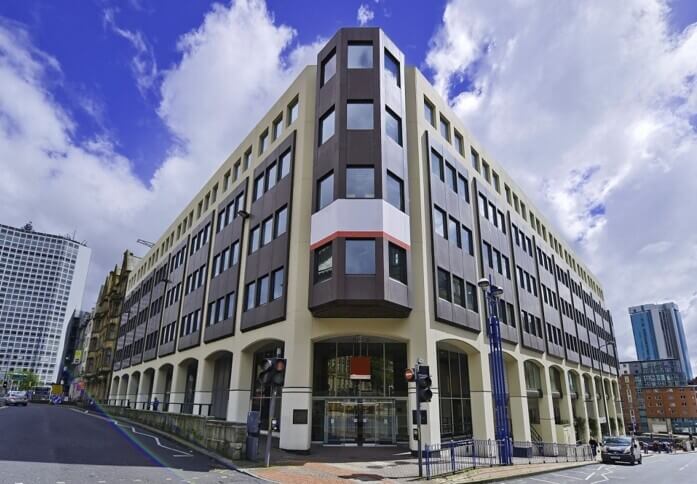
{"type": "Point", "coordinates": [143, 64]}
{"type": "Point", "coordinates": [364, 14]}
{"type": "Point", "coordinates": [588, 106]}
{"type": "Point", "coordinates": [64, 185]}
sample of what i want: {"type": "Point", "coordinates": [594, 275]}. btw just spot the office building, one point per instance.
{"type": "Point", "coordinates": [656, 396]}
{"type": "Point", "coordinates": [349, 230]}
{"type": "Point", "coordinates": [659, 334]}
{"type": "Point", "coordinates": [105, 327]}
{"type": "Point", "coordinates": [42, 279]}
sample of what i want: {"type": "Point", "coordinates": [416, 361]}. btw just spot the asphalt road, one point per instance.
{"type": "Point", "coordinates": [656, 469]}
{"type": "Point", "coordinates": [42, 444]}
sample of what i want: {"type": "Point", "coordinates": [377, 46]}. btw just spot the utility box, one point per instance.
{"type": "Point", "coordinates": [252, 441]}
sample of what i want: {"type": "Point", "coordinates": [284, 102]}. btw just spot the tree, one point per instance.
{"type": "Point", "coordinates": [28, 380]}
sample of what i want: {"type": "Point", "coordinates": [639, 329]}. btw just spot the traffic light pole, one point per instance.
{"type": "Point", "coordinates": [269, 435]}
{"type": "Point", "coordinates": [418, 422]}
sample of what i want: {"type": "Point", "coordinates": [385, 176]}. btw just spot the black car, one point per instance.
{"type": "Point", "coordinates": [621, 449]}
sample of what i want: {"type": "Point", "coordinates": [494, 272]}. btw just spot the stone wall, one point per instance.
{"type": "Point", "coordinates": [219, 436]}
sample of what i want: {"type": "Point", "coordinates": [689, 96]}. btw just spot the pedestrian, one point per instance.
{"type": "Point", "coordinates": [155, 404]}
{"type": "Point", "coordinates": [594, 446]}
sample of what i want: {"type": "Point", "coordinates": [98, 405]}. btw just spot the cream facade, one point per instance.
{"type": "Point", "coordinates": [352, 225]}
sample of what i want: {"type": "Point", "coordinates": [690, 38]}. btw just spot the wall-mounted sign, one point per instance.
{"type": "Point", "coordinates": [360, 368]}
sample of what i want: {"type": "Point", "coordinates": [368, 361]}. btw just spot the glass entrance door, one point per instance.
{"type": "Point", "coordinates": [350, 422]}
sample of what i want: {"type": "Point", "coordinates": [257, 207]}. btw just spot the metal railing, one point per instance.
{"type": "Point", "coordinates": [458, 455]}
{"type": "Point", "coordinates": [201, 409]}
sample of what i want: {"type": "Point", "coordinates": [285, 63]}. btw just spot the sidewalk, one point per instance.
{"type": "Point", "coordinates": [491, 474]}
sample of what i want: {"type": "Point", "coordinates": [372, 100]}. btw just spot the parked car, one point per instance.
{"type": "Point", "coordinates": [621, 449]}
{"type": "Point", "coordinates": [15, 397]}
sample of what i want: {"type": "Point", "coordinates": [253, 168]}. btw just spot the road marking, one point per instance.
{"type": "Point", "coordinates": [590, 475]}
{"type": "Point", "coordinates": [568, 477]}
{"type": "Point", "coordinates": [685, 466]}
{"type": "Point", "coordinates": [542, 480]}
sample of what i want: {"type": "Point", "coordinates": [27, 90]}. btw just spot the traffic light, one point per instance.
{"type": "Point", "coordinates": [423, 385]}
{"type": "Point", "coordinates": [4, 384]}
{"type": "Point", "coordinates": [273, 371]}
{"type": "Point", "coordinates": [279, 372]}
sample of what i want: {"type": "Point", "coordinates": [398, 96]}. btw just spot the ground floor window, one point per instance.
{"type": "Point", "coordinates": [454, 395]}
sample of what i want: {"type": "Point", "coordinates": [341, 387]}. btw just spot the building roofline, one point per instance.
{"type": "Point", "coordinates": [45, 234]}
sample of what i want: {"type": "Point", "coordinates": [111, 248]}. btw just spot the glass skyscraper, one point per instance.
{"type": "Point", "coordinates": [659, 334]}
{"type": "Point", "coordinates": [42, 280]}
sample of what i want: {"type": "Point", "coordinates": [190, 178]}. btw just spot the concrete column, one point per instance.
{"type": "Point", "coordinates": [595, 410]}
{"type": "Point", "coordinates": [610, 395]}
{"type": "Point", "coordinates": [297, 395]}
{"type": "Point", "coordinates": [132, 392]}
{"type": "Point", "coordinates": [157, 382]}
{"type": "Point", "coordinates": [240, 387]}
{"type": "Point", "coordinates": [430, 432]}
{"type": "Point", "coordinates": [518, 400]}
{"type": "Point", "coordinates": [203, 395]}
{"type": "Point", "coordinates": [176, 396]}
{"type": "Point", "coordinates": [548, 428]}
{"type": "Point", "coordinates": [566, 410]}
{"type": "Point", "coordinates": [142, 391]}
{"type": "Point", "coordinates": [481, 400]}
{"type": "Point", "coordinates": [114, 391]}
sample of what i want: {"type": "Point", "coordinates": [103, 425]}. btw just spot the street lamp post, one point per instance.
{"type": "Point", "coordinates": [492, 293]}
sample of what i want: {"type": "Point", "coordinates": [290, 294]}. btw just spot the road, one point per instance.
{"type": "Point", "coordinates": [42, 444]}
{"type": "Point", "coordinates": [656, 469]}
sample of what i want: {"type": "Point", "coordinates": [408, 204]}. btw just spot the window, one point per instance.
{"type": "Point", "coordinates": [485, 169]}
{"type": "Point", "coordinates": [254, 239]}
{"type": "Point", "coordinates": [475, 159]}
{"type": "Point", "coordinates": [263, 290]}
{"type": "Point", "coordinates": [451, 177]}
{"type": "Point", "coordinates": [234, 253]}
{"type": "Point", "coordinates": [360, 56]}
{"type": "Point", "coordinates": [466, 236]}
{"type": "Point", "coordinates": [277, 128]}
{"type": "Point", "coordinates": [230, 306]}
{"type": "Point", "coordinates": [284, 165]}
{"type": "Point", "coordinates": [429, 112]}
{"type": "Point", "coordinates": [444, 128]}
{"type": "Point", "coordinates": [444, 285]}
{"type": "Point", "coordinates": [397, 263]}
{"type": "Point", "coordinates": [277, 282]}
{"type": "Point", "coordinates": [393, 126]}
{"type": "Point", "coordinates": [395, 191]}
{"type": "Point", "coordinates": [271, 176]}
{"type": "Point", "coordinates": [495, 178]}
{"type": "Point", "coordinates": [293, 109]}
{"type": "Point", "coordinates": [459, 143]}
{"type": "Point", "coordinates": [235, 171]}
{"type": "Point", "coordinates": [258, 187]}
{"type": "Point", "coordinates": [436, 165]}
{"type": "Point", "coordinates": [439, 221]}
{"type": "Point", "coordinates": [325, 191]}
{"type": "Point", "coordinates": [392, 71]}
{"type": "Point", "coordinates": [360, 256]}
{"type": "Point", "coordinates": [281, 224]}
{"type": "Point", "coordinates": [471, 296]}
{"type": "Point", "coordinates": [328, 68]}
{"type": "Point", "coordinates": [247, 158]}
{"type": "Point", "coordinates": [263, 139]}
{"type": "Point", "coordinates": [326, 126]}
{"type": "Point", "coordinates": [459, 291]}
{"type": "Point", "coordinates": [266, 231]}
{"type": "Point", "coordinates": [359, 115]}
{"type": "Point", "coordinates": [360, 182]}
{"type": "Point", "coordinates": [454, 232]}
{"type": "Point", "coordinates": [250, 295]}
{"type": "Point", "coordinates": [463, 188]}
{"type": "Point", "coordinates": [323, 263]}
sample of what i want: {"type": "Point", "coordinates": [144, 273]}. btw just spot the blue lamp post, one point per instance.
{"type": "Point", "coordinates": [492, 293]}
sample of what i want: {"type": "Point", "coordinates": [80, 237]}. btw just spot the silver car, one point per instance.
{"type": "Point", "coordinates": [15, 397]}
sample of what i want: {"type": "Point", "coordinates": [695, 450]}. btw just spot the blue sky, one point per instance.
{"type": "Point", "coordinates": [95, 60]}
{"type": "Point", "coordinates": [113, 113]}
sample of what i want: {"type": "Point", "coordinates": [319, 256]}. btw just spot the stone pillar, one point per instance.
{"type": "Point", "coordinates": [203, 394]}
{"type": "Point", "coordinates": [176, 395]}
{"type": "Point", "coordinates": [548, 428]}
{"type": "Point", "coordinates": [518, 400]}
{"type": "Point", "coordinates": [297, 395]}
{"type": "Point", "coordinates": [142, 392]}
{"type": "Point", "coordinates": [566, 407]}
{"type": "Point", "coordinates": [610, 398]}
{"type": "Point", "coordinates": [481, 399]}
{"type": "Point", "coordinates": [240, 387]}
{"type": "Point", "coordinates": [595, 400]}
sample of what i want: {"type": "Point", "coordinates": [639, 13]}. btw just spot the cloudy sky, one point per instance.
{"type": "Point", "coordinates": [113, 113]}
